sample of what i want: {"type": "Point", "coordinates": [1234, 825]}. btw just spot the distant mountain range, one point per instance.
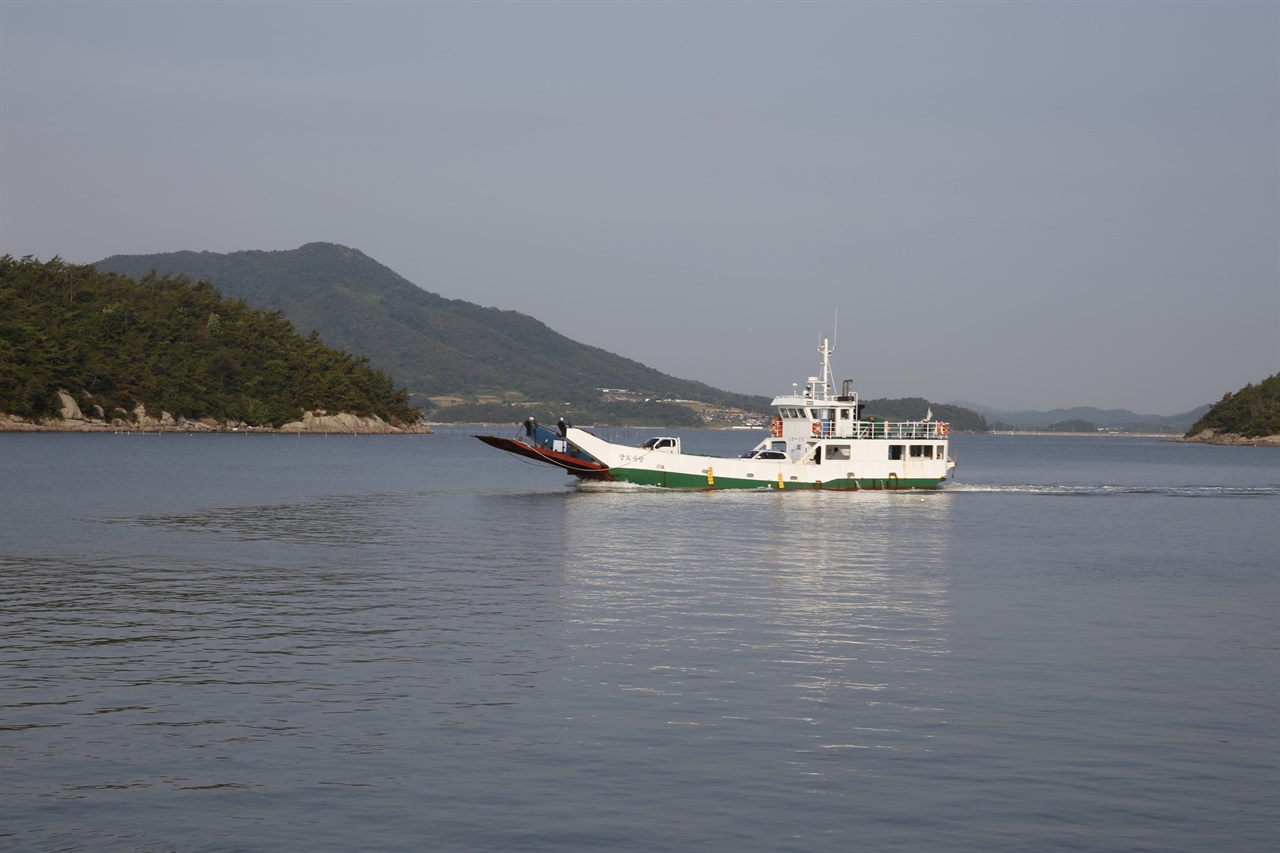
{"type": "Point", "coordinates": [1121, 419]}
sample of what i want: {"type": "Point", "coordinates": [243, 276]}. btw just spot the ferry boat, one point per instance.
{"type": "Point", "coordinates": [817, 440]}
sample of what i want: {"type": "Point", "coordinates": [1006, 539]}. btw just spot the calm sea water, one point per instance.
{"type": "Point", "coordinates": [224, 643]}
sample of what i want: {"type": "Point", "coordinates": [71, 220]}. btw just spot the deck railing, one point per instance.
{"type": "Point", "coordinates": [916, 430]}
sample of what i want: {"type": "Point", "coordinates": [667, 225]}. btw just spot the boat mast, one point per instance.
{"type": "Point", "coordinates": [826, 349]}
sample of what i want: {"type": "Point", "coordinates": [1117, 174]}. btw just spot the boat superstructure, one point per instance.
{"type": "Point", "coordinates": [817, 440]}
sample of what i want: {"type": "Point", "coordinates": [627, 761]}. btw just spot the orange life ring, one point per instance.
{"type": "Point", "coordinates": [943, 429]}
{"type": "Point", "coordinates": [817, 428]}
{"type": "Point", "coordinates": [775, 427]}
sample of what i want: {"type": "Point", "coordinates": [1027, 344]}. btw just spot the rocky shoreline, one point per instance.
{"type": "Point", "coordinates": [312, 423]}
{"type": "Point", "coordinates": [1211, 436]}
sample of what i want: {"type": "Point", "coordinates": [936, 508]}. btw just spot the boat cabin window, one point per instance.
{"type": "Point", "coordinates": [895, 451]}
{"type": "Point", "coordinates": [844, 414]}
{"type": "Point", "coordinates": [922, 450]}
{"type": "Point", "coordinates": [778, 445]}
{"type": "Point", "coordinates": [659, 443]}
{"type": "Point", "coordinates": [771, 454]}
{"type": "Point", "coordinates": [837, 451]}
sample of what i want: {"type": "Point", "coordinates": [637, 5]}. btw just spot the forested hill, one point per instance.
{"type": "Point", "coordinates": [172, 345]}
{"type": "Point", "coordinates": [1251, 412]}
{"type": "Point", "coordinates": [435, 346]}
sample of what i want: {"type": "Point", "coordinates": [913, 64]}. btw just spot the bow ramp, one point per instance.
{"type": "Point", "coordinates": [551, 446]}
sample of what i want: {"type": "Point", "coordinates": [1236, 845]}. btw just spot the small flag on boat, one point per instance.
{"type": "Point", "coordinates": [929, 416]}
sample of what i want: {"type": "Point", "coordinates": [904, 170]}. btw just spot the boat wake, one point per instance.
{"type": "Point", "coordinates": [614, 486]}
{"type": "Point", "coordinates": [1103, 489]}
{"type": "Point", "coordinates": [620, 486]}
{"type": "Point", "coordinates": [1009, 489]}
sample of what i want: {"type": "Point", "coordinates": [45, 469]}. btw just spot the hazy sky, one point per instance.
{"type": "Point", "coordinates": [1020, 204]}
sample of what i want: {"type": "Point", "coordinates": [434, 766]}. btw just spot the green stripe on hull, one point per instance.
{"type": "Point", "coordinates": [672, 480]}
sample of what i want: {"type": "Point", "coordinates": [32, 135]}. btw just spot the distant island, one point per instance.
{"type": "Point", "coordinates": [1249, 416]}
{"type": "Point", "coordinates": [87, 350]}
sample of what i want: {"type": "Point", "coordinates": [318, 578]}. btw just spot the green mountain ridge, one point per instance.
{"type": "Point", "coordinates": [433, 345]}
